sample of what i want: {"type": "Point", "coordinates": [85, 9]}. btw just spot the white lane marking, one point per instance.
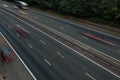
{"type": "Point", "coordinates": [76, 40]}
{"type": "Point", "coordinates": [47, 62]}
{"type": "Point", "coordinates": [29, 45]}
{"type": "Point", "coordinates": [54, 38]}
{"type": "Point", "coordinates": [17, 25]}
{"type": "Point", "coordinates": [67, 21]}
{"type": "Point", "coordinates": [68, 46]}
{"type": "Point", "coordinates": [75, 51]}
{"type": "Point", "coordinates": [42, 42]}
{"type": "Point", "coordinates": [19, 58]}
{"type": "Point", "coordinates": [18, 35]}
{"type": "Point", "coordinates": [90, 76]}
{"type": "Point", "coordinates": [60, 54]}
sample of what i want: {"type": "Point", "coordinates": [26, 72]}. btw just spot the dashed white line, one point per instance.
{"type": "Point", "coordinates": [42, 42]}
{"type": "Point", "coordinates": [60, 54]}
{"type": "Point", "coordinates": [18, 35]}
{"type": "Point", "coordinates": [19, 58]}
{"type": "Point", "coordinates": [29, 45]}
{"type": "Point", "coordinates": [67, 46]}
{"type": "Point", "coordinates": [47, 62]}
{"type": "Point", "coordinates": [90, 76]}
{"type": "Point", "coordinates": [17, 25]}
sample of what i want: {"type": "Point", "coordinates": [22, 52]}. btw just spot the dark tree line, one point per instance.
{"type": "Point", "coordinates": [105, 9]}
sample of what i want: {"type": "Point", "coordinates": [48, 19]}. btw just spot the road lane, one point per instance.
{"type": "Point", "coordinates": [69, 54]}
{"type": "Point", "coordinates": [78, 62]}
{"type": "Point", "coordinates": [15, 70]}
{"type": "Point", "coordinates": [73, 63]}
{"type": "Point", "coordinates": [37, 66]}
{"type": "Point", "coordinates": [75, 32]}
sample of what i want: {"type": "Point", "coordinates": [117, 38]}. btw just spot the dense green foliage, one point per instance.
{"type": "Point", "coordinates": [105, 9]}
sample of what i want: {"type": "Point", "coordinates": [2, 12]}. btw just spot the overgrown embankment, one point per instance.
{"type": "Point", "coordinates": [99, 11]}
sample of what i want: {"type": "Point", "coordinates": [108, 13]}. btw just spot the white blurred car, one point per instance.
{"type": "Point", "coordinates": [21, 4]}
{"type": "Point", "coordinates": [5, 5]}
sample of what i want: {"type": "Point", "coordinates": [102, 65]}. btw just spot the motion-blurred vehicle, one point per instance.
{"type": "Point", "coordinates": [21, 4]}
{"type": "Point", "coordinates": [22, 31]}
{"type": "Point", "coordinates": [5, 5]}
{"type": "Point", "coordinates": [7, 55]}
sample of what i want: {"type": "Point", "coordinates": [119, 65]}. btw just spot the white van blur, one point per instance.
{"type": "Point", "coordinates": [21, 4]}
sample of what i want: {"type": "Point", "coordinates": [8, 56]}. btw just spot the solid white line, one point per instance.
{"type": "Point", "coordinates": [29, 45]}
{"type": "Point", "coordinates": [47, 62]}
{"type": "Point", "coordinates": [90, 76]}
{"type": "Point", "coordinates": [67, 21]}
{"type": "Point", "coordinates": [82, 55]}
{"type": "Point", "coordinates": [42, 42]}
{"type": "Point", "coordinates": [17, 25]}
{"type": "Point", "coordinates": [77, 52]}
{"type": "Point", "coordinates": [66, 46]}
{"type": "Point", "coordinates": [60, 54]}
{"type": "Point", "coordinates": [19, 58]}
{"type": "Point", "coordinates": [45, 25]}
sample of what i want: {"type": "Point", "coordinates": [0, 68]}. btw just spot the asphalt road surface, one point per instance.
{"type": "Point", "coordinates": [75, 31]}
{"type": "Point", "coordinates": [46, 58]}
{"type": "Point", "coordinates": [14, 70]}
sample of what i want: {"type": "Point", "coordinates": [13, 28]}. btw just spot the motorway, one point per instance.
{"type": "Point", "coordinates": [46, 58]}
{"type": "Point", "coordinates": [75, 31]}
{"type": "Point", "coordinates": [13, 70]}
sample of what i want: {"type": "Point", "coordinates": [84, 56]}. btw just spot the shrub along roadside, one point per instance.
{"type": "Point", "coordinates": [106, 10]}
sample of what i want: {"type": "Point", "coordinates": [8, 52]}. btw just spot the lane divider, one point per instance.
{"type": "Point", "coordinates": [70, 42]}
{"type": "Point", "coordinates": [19, 57]}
